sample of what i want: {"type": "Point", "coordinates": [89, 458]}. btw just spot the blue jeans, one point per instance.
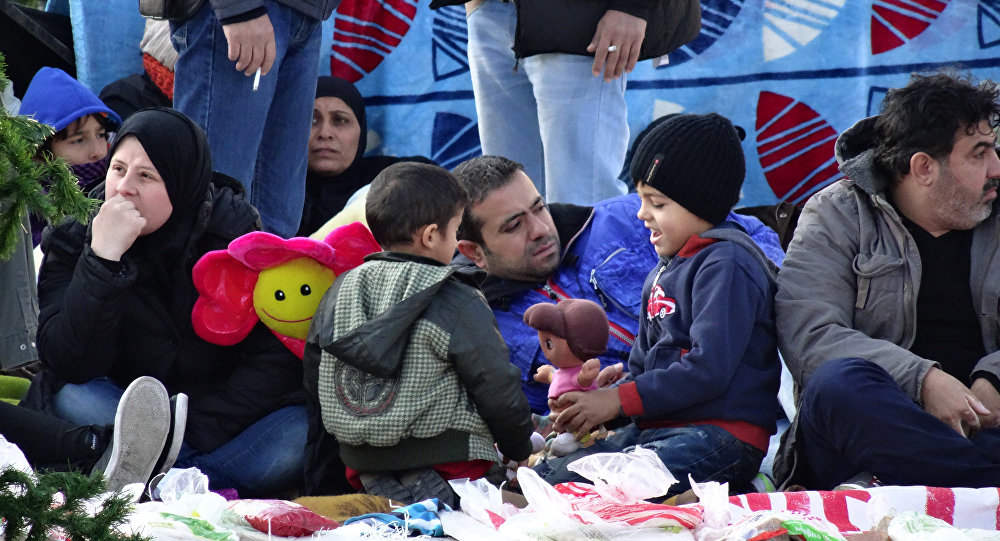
{"type": "Point", "coordinates": [854, 418]}
{"type": "Point", "coordinates": [568, 128]}
{"type": "Point", "coordinates": [706, 452]}
{"type": "Point", "coordinates": [91, 403]}
{"type": "Point", "coordinates": [259, 138]}
{"type": "Point", "coordinates": [265, 459]}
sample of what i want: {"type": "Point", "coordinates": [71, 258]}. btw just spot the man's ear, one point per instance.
{"type": "Point", "coordinates": [923, 168]}
{"type": "Point", "coordinates": [474, 252]}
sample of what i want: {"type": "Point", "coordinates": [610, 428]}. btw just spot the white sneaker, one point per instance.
{"type": "Point", "coordinates": [140, 432]}
{"type": "Point", "coordinates": [179, 407]}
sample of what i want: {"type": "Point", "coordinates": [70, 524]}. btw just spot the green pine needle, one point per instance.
{"type": "Point", "coordinates": [21, 178]}
{"type": "Point", "coordinates": [27, 505]}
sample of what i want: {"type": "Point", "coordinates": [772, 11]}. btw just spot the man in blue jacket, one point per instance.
{"type": "Point", "coordinates": [534, 252]}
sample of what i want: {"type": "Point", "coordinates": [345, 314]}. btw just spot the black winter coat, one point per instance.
{"type": "Point", "coordinates": [98, 319]}
{"type": "Point", "coordinates": [567, 26]}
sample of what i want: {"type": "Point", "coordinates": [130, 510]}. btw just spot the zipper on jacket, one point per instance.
{"type": "Point", "coordinates": [606, 299]}
{"type": "Point", "coordinates": [982, 285]}
{"type": "Point", "coordinates": [551, 290]}
{"type": "Point", "coordinates": [905, 241]}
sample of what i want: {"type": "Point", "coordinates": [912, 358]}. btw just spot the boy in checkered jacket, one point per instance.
{"type": "Point", "coordinates": [404, 355]}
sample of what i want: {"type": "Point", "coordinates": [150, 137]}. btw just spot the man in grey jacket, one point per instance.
{"type": "Point", "coordinates": [887, 304]}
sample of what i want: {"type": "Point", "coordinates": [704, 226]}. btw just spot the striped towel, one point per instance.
{"type": "Point", "coordinates": [421, 517]}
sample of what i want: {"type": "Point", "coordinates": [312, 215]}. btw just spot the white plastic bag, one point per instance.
{"type": "Point", "coordinates": [177, 483]}
{"type": "Point", "coordinates": [11, 456]}
{"type": "Point", "coordinates": [482, 501]}
{"type": "Point", "coordinates": [626, 477]}
{"type": "Point", "coordinates": [714, 499]}
{"type": "Point", "coordinates": [913, 526]}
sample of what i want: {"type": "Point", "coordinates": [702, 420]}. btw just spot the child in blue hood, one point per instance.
{"type": "Point", "coordinates": [81, 121]}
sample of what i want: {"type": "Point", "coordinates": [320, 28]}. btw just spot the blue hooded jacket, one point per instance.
{"type": "Point", "coordinates": [606, 257]}
{"type": "Point", "coordinates": [56, 99]}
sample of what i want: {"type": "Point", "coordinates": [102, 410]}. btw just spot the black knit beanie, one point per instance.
{"type": "Point", "coordinates": [696, 160]}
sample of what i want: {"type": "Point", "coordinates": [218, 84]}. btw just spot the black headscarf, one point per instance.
{"type": "Point", "coordinates": [179, 151]}
{"type": "Point", "coordinates": [335, 87]}
{"type": "Point", "coordinates": [326, 195]}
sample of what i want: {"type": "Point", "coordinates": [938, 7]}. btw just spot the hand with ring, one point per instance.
{"type": "Point", "coordinates": [616, 44]}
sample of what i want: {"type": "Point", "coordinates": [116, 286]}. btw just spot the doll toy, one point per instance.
{"type": "Point", "coordinates": [572, 333]}
{"type": "Point", "coordinates": [263, 277]}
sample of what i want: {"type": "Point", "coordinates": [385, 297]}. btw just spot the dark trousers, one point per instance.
{"type": "Point", "coordinates": [49, 443]}
{"type": "Point", "coordinates": [854, 418]}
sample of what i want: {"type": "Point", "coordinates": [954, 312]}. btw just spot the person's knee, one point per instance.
{"type": "Point", "coordinates": [837, 380]}
{"type": "Point", "coordinates": [842, 388]}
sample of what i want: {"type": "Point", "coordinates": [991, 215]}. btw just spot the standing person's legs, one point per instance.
{"type": "Point", "coordinates": [91, 403]}
{"type": "Point", "coordinates": [505, 102]}
{"type": "Point", "coordinates": [209, 90]}
{"type": "Point", "coordinates": [853, 418]}
{"type": "Point", "coordinates": [265, 459]}
{"type": "Point", "coordinates": [583, 123]}
{"type": "Point", "coordinates": [279, 185]}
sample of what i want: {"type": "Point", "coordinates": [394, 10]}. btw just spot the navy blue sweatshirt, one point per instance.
{"type": "Point", "coordinates": [706, 352]}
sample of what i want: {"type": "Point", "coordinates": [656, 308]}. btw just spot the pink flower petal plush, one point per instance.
{"type": "Point", "coordinates": [263, 277]}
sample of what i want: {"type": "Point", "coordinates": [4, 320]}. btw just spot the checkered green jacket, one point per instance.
{"type": "Point", "coordinates": [412, 370]}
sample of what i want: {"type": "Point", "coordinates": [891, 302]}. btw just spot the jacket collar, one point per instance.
{"type": "Point", "coordinates": [855, 152]}
{"type": "Point", "coordinates": [467, 273]}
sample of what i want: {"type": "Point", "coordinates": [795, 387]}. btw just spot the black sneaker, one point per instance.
{"type": "Point", "coordinates": [861, 481]}
{"type": "Point", "coordinates": [140, 431]}
{"type": "Point", "coordinates": [410, 486]}
{"type": "Point", "coordinates": [387, 486]}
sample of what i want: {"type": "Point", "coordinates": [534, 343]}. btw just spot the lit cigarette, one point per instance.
{"type": "Point", "coordinates": [256, 80]}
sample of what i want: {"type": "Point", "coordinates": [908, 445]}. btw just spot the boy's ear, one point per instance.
{"type": "Point", "coordinates": [425, 236]}
{"type": "Point", "coordinates": [474, 252]}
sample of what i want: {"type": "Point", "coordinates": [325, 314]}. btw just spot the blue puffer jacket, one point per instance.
{"type": "Point", "coordinates": [606, 256]}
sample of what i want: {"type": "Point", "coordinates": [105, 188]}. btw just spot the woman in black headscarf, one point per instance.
{"type": "Point", "coordinates": [337, 144]}
{"type": "Point", "coordinates": [116, 298]}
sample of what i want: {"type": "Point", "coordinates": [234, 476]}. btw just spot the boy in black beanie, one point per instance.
{"type": "Point", "coordinates": [704, 372]}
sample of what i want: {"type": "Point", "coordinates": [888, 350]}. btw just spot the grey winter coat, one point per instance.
{"type": "Point", "coordinates": [850, 280]}
{"type": "Point", "coordinates": [849, 284]}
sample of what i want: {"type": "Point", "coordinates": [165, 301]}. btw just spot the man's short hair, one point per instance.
{"type": "Point", "coordinates": [407, 196]}
{"type": "Point", "coordinates": [481, 176]}
{"type": "Point", "coordinates": [924, 116]}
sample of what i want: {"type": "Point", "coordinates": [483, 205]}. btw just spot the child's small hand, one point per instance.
{"type": "Point", "coordinates": [585, 410]}
{"type": "Point", "coordinates": [610, 374]}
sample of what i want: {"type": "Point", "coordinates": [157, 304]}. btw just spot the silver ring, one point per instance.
{"type": "Point", "coordinates": [612, 48]}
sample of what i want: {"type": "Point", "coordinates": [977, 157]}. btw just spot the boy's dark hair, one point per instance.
{"type": "Point", "coordinates": [46, 147]}
{"type": "Point", "coordinates": [924, 116]}
{"type": "Point", "coordinates": [407, 196]}
{"type": "Point", "coordinates": [481, 176]}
